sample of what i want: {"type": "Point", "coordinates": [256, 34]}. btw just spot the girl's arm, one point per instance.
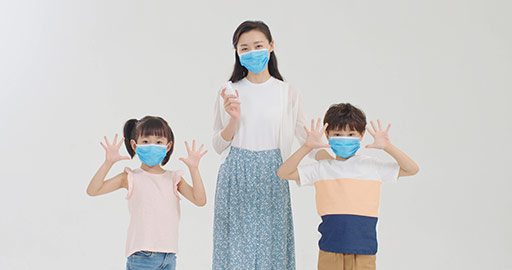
{"type": "Point", "coordinates": [313, 140]}
{"type": "Point", "coordinates": [194, 193]}
{"type": "Point", "coordinates": [98, 185]}
{"type": "Point", "coordinates": [407, 165]}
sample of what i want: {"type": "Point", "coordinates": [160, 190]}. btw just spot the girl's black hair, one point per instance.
{"type": "Point", "coordinates": [239, 71]}
{"type": "Point", "coordinates": [147, 126]}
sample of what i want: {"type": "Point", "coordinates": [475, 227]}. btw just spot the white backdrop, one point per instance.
{"type": "Point", "coordinates": [72, 71]}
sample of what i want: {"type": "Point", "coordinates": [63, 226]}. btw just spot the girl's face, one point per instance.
{"type": "Point", "coordinates": [253, 40]}
{"type": "Point", "coordinates": [158, 140]}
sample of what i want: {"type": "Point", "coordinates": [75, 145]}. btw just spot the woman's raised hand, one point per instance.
{"type": "Point", "coordinates": [314, 138]}
{"type": "Point", "coordinates": [231, 104]}
{"type": "Point", "coordinates": [112, 150]}
{"type": "Point", "coordinates": [192, 161]}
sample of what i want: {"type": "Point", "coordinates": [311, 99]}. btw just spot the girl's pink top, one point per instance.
{"type": "Point", "coordinates": [154, 207]}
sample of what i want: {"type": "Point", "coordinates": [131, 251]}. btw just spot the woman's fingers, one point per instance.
{"type": "Point", "coordinates": [223, 93]}
{"type": "Point", "coordinates": [387, 129]}
{"type": "Point", "coordinates": [104, 147]}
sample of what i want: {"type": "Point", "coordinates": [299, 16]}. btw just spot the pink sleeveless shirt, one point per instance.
{"type": "Point", "coordinates": [154, 207]}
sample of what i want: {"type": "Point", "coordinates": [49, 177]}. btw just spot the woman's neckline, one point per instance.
{"type": "Point", "coordinates": [269, 80]}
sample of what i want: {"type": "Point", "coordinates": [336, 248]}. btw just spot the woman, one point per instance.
{"type": "Point", "coordinates": [254, 129]}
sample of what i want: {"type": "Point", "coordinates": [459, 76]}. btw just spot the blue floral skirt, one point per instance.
{"type": "Point", "coordinates": [253, 227]}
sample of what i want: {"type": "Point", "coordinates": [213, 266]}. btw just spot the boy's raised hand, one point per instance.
{"type": "Point", "coordinates": [380, 136]}
{"type": "Point", "coordinates": [314, 136]}
{"type": "Point", "coordinates": [192, 161]}
{"type": "Point", "coordinates": [112, 150]}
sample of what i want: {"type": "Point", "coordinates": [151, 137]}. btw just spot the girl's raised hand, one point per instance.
{"type": "Point", "coordinates": [192, 161]}
{"type": "Point", "coordinates": [231, 104]}
{"type": "Point", "coordinates": [112, 150]}
{"type": "Point", "coordinates": [380, 136]}
{"type": "Point", "coordinates": [314, 138]}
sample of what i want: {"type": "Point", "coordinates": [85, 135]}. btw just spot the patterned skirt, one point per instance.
{"type": "Point", "coordinates": [253, 227]}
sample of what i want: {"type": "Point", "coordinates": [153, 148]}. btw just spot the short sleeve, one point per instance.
{"type": "Point", "coordinates": [129, 178]}
{"type": "Point", "coordinates": [176, 178]}
{"type": "Point", "coordinates": [387, 170]}
{"type": "Point", "coordinates": [308, 174]}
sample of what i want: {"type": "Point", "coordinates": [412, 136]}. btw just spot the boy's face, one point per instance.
{"type": "Point", "coordinates": [345, 132]}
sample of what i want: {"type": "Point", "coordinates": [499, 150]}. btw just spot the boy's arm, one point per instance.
{"type": "Point", "coordinates": [313, 140]}
{"type": "Point", "coordinates": [288, 170]}
{"type": "Point", "coordinates": [407, 165]}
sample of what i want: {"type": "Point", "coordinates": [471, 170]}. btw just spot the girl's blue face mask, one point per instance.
{"type": "Point", "coordinates": [255, 61]}
{"type": "Point", "coordinates": [151, 154]}
{"type": "Point", "coordinates": [344, 146]}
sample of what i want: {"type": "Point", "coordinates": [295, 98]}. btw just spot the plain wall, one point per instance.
{"type": "Point", "coordinates": [74, 71]}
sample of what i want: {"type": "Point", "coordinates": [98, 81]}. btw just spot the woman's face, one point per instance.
{"type": "Point", "coordinates": [253, 40]}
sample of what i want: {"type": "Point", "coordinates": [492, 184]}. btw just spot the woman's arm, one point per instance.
{"type": "Point", "coordinates": [98, 185]}
{"type": "Point", "coordinates": [194, 193]}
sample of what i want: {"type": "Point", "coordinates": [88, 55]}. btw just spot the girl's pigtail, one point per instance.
{"type": "Point", "coordinates": [129, 134]}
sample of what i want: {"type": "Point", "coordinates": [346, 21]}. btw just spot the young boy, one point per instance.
{"type": "Point", "coordinates": [348, 187]}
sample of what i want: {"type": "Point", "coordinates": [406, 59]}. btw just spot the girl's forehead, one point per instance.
{"type": "Point", "coordinates": [153, 137]}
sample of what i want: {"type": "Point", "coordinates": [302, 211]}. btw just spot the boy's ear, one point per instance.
{"type": "Point", "coordinates": [169, 146]}
{"type": "Point", "coordinates": [133, 144]}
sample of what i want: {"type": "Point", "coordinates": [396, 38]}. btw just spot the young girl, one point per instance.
{"type": "Point", "coordinates": [152, 197]}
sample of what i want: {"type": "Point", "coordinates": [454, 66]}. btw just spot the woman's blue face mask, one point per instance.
{"type": "Point", "coordinates": [151, 154]}
{"type": "Point", "coordinates": [255, 61]}
{"type": "Point", "coordinates": [344, 147]}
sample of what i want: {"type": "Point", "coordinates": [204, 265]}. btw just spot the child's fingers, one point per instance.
{"type": "Point", "coordinates": [380, 126]}
{"type": "Point", "coordinates": [369, 130]}
{"type": "Point", "coordinates": [373, 125]}
{"type": "Point", "coordinates": [102, 145]}
{"type": "Point", "coordinates": [387, 129]}
{"type": "Point", "coordinates": [188, 148]}
{"type": "Point", "coordinates": [125, 158]}
{"type": "Point", "coordinates": [194, 145]}
{"type": "Point", "coordinates": [204, 153]}
{"type": "Point", "coordinates": [200, 148]}
{"type": "Point", "coordinates": [312, 124]}
{"type": "Point", "coordinates": [106, 140]}
{"type": "Point", "coordinates": [325, 127]}
{"type": "Point", "coordinates": [120, 143]}
{"type": "Point", "coordinates": [306, 129]}
{"type": "Point", "coordinates": [115, 140]}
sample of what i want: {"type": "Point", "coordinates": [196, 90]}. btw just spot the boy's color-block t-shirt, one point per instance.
{"type": "Point", "coordinates": [347, 199]}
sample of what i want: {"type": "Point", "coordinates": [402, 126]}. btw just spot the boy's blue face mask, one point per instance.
{"type": "Point", "coordinates": [255, 61]}
{"type": "Point", "coordinates": [344, 146]}
{"type": "Point", "coordinates": [151, 154]}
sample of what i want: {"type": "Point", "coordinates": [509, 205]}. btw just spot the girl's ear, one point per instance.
{"type": "Point", "coordinates": [133, 144]}
{"type": "Point", "coordinates": [169, 146]}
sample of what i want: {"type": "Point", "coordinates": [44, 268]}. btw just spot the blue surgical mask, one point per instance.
{"type": "Point", "coordinates": [255, 61]}
{"type": "Point", "coordinates": [344, 146]}
{"type": "Point", "coordinates": [151, 154]}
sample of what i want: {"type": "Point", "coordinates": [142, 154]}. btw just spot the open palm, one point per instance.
{"type": "Point", "coordinates": [112, 150]}
{"type": "Point", "coordinates": [380, 136]}
{"type": "Point", "coordinates": [194, 156]}
{"type": "Point", "coordinates": [314, 136]}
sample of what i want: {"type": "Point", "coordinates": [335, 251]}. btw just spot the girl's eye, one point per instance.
{"type": "Point", "coordinates": [144, 141]}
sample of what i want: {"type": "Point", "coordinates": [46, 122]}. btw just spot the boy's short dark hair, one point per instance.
{"type": "Point", "coordinates": [344, 115]}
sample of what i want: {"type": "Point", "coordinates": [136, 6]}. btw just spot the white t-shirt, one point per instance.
{"type": "Point", "coordinates": [359, 167]}
{"type": "Point", "coordinates": [271, 115]}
